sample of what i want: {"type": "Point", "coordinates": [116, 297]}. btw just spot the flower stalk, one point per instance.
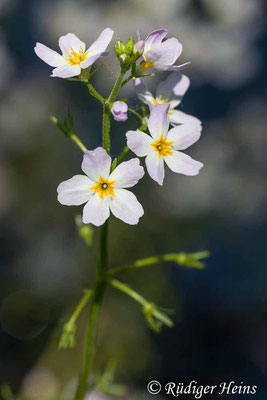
{"type": "Point", "coordinates": [102, 265]}
{"type": "Point", "coordinates": [191, 260]}
{"type": "Point", "coordinates": [154, 316]}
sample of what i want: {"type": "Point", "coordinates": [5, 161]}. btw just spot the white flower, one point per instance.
{"type": "Point", "coordinates": [160, 54]}
{"type": "Point", "coordinates": [103, 191]}
{"type": "Point", "coordinates": [74, 56]}
{"type": "Point", "coordinates": [164, 145]}
{"type": "Point", "coordinates": [170, 91]}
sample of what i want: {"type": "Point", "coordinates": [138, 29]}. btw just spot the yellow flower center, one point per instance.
{"type": "Point", "coordinates": [104, 187]}
{"type": "Point", "coordinates": [76, 58]}
{"type": "Point", "coordinates": [145, 65]}
{"type": "Point", "coordinates": [162, 147]}
{"type": "Point", "coordinates": [159, 100]}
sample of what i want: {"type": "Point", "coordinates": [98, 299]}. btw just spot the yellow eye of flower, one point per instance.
{"type": "Point", "coordinates": [162, 147]}
{"type": "Point", "coordinates": [104, 187]}
{"type": "Point", "coordinates": [159, 100]}
{"type": "Point", "coordinates": [145, 65]}
{"type": "Point", "coordinates": [76, 58]}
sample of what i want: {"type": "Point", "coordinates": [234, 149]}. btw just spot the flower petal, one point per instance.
{"type": "Point", "coordinates": [90, 60]}
{"type": "Point", "coordinates": [70, 41]}
{"type": "Point", "coordinates": [174, 87]}
{"type": "Point", "coordinates": [184, 136]}
{"type": "Point", "coordinates": [179, 117]}
{"type": "Point", "coordinates": [139, 142]}
{"type": "Point", "coordinates": [176, 67]}
{"type": "Point", "coordinates": [143, 94]}
{"type": "Point", "coordinates": [101, 43]}
{"type": "Point", "coordinates": [165, 54]}
{"type": "Point", "coordinates": [155, 167]}
{"type": "Point", "coordinates": [183, 164]}
{"type": "Point", "coordinates": [49, 56]}
{"type": "Point", "coordinates": [96, 211]}
{"type": "Point", "coordinates": [158, 123]}
{"type": "Point", "coordinates": [139, 46]}
{"type": "Point", "coordinates": [125, 206]}
{"type": "Point", "coordinates": [66, 71]}
{"type": "Point", "coordinates": [154, 38]}
{"type": "Point", "coordinates": [75, 191]}
{"type": "Point", "coordinates": [127, 174]}
{"type": "Point", "coordinates": [96, 163]}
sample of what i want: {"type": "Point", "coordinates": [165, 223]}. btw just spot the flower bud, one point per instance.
{"type": "Point", "coordinates": [120, 111]}
{"type": "Point", "coordinates": [129, 46]}
{"type": "Point", "coordinates": [119, 47]}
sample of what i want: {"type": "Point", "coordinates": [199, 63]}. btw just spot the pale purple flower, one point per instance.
{"type": "Point", "coordinates": [170, 91]}
{"type": "Point", "coordinates": [139, 46]}
{"type": "Point", "coordinates": [120, 111]}
{"type": "Point", "coordinates": [164, 145]}
{"type": "Point", "coordinates": [103, 191]}
{"type": "Point", "coordinates": [160, 54]}
{"type": "Point", "coordinates": [74, 56]}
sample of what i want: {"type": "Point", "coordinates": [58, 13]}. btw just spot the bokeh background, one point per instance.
{"type": "Point", "coordinates": [220, 320]}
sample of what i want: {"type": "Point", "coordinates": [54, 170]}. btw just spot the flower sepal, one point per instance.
{"type": "Point", "coordinates": [156, 318]}
{"type": "Point", "coordinates": [67, 338]}
{"type": "Point", "coordinates": [66, 126]}
{"type": "Point", "coordinates": [192, 260]}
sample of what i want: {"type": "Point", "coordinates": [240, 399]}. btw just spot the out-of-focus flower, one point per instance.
{"type": "Point", "coordinates": [74, 56]}
{"type": "Point", "coordinates": [120, 111]}
{"type": "Point", "coordinates": [170, 91]}
{"type": "Point", "coordinates": [104, 192]}
{"type": "Point", "coordinates": [164, 145]}
{"type": "Point", "coordinates": [40, 383]}
{"type": "Point", "coordinates": [160, 55]}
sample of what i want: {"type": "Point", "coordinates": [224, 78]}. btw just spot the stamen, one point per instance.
{"type": "Point", "coordinates": [162, 147]}
{"type": "Point", "coordinates": [104, 187]}
{"type": "Point", "coordinates": [76, 58]}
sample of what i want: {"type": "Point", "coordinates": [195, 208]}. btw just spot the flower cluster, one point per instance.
{"type": "Point", "coordinates": [103, 188]}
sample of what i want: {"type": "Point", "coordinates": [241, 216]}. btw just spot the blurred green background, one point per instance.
{"type": "Point", "coordinates": [220, 320]}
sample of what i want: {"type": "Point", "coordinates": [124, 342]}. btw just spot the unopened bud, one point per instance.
{"type": "Point", "coordinates": [119, 47]}
{"type": "Point", "coordinates": [129, 46]}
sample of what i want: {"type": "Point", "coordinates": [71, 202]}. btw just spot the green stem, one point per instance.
{"type": "Point", "coordinates": [127, 80]}
{"type": "Point", "coordinates": [94, 92]}
{"type": "Point", "coordinates": [87, 294]}
{"type": "Point", "coordinates": [136, 114]}
{"type": "Point", "coordinates": [116, 88]}
{"type": "Point", "coordinates": [129, 291]}
{"type": "Point", "coordinates": [102, 266]}
{"type": "Point", "coordinates": [123, 154]}
{"type": "Point", "coordinates": [107, 108]}
{"type": "Point", "coordinates": [148, 307]}
{"type": "Point", "coordinates": [106, 128]}
{"type": "Point", "coordinates": [92, 323]}
{"type": "Point", "coordinates": [89, 344]}
{"type": "Point", "coordinates": [77, 141]}
{"type": "Point", "coordinates": [184, 259]}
